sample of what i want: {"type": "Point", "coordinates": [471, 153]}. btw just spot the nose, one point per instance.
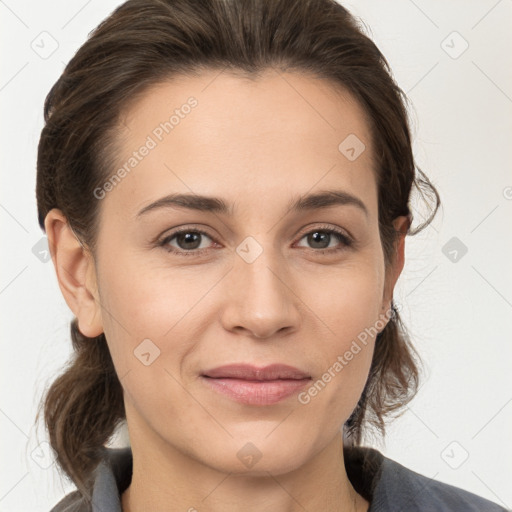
{"type": "Point", "coordinates": [260, 297]}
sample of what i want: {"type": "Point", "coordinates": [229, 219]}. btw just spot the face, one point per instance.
{"type": "Point", "coordinates": [258, 283]}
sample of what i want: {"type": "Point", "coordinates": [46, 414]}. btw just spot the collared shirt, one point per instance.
{"type": "Point", "coordinates": [385, 484]}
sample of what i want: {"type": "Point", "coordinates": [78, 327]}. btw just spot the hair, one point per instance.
{"type": "Point", "coordinates": [147, 42]}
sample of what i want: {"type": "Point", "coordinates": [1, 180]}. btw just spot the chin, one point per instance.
{"type": "Point", "coordinates": [259, 454]}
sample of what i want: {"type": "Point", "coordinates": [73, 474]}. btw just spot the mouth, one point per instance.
{"type": "Point", "coordinates": [251, 385]}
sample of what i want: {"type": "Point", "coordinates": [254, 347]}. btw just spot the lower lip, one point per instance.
{"type": "Point", "coordinates": [254, 392]}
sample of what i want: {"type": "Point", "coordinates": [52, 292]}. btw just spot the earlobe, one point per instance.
{"type": "Point", "coordinates": [74, 266]}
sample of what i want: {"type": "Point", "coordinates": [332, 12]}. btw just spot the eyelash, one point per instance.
{"type": "Point", "coordinates": [346, 241]}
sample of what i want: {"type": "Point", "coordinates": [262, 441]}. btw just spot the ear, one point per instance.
{"type": "Point", "coordinates": [401, 225]}
{"type": "Point", "coordinates": [76, 273]}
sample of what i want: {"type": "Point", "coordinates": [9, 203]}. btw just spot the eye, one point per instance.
{"type": "Point", "coordinates": [320, 239]}
{"type": "Point", "coordinates": [188, 241]}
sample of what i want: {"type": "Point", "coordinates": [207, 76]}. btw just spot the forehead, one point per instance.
{"type": "Point", "coordinates": [222, 134]}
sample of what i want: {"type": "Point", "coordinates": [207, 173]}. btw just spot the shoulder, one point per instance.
{"type": "Point", "coordinates": [399, 488]}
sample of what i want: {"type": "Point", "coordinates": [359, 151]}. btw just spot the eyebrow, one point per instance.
{"type": "Point", "coordinates": [308, 202]}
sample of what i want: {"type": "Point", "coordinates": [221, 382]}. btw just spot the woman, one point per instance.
{"type": "Point", "coordinates": [225, 188]}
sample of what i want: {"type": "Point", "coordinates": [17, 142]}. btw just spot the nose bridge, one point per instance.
{"type": "Point", "coordinates": [261, 299]}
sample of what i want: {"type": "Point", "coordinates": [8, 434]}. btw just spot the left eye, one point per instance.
{"type": "Point", "coordinates": [320, 236]}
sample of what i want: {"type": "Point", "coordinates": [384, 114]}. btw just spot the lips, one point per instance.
{"type": "Point", "coordinates": [251, 385]}
{"type": "Point", "coordinates": [250, 372]}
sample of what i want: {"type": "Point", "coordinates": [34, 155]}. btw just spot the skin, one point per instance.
{"type": "Point", "coordinates": [257, 145]}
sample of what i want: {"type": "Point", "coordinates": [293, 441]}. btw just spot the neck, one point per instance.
{"type": "Point", "coordinates": [176, 482]}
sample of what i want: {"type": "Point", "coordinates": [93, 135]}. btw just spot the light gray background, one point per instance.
{"type": "Point", "coordinates": [459, 313]}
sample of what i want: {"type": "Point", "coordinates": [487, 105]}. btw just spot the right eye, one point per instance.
{"type": "Point", "coordinates": [187, 240]}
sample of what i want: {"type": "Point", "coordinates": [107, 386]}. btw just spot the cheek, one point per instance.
{"type": "Point", "coordinates": [348, 303]}
{"type": "Point", "coordinates": [149, 321]}
{"type": "Point", "coordinates": [143, 302]}
{"type": "Point", "coordinates": [347, 299]}
{"type": "Point", "coordinates": [147, 301]}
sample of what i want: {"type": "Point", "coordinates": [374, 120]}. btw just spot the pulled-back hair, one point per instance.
{"type": "Point", "coordinates": [145, 42]}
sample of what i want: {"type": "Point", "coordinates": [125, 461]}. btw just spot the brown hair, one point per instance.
{"type": "Point", "coordinates": [145, 42]}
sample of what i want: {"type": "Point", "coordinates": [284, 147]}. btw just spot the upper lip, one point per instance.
{"type": "Point", "coordinates": [251, 372]}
